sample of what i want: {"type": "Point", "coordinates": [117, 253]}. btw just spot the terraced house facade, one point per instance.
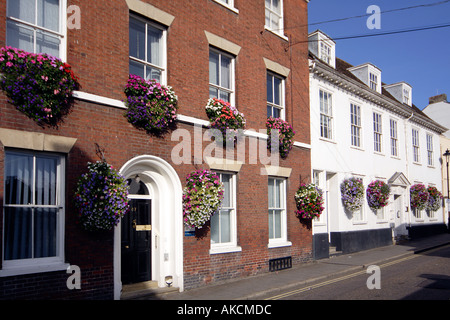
{"type": "Point", "coordinates": [252, 54]}
{"type": "Point", "coordinates": [365, 129]}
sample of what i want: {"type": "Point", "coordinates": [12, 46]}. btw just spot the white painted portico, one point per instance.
{"type": "Point", "coordinates": [167, 220]}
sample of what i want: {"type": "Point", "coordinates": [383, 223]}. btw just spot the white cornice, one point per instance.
{"type": "Point", "coordinates": [93, 98]}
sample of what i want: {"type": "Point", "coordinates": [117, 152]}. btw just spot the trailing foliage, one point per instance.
{"type": "Point", "coordinates": [39, 85]}
{"type": "Point", "coordinates": [101, 197]}
{"type": "Point", "coordinates": [151, 106]}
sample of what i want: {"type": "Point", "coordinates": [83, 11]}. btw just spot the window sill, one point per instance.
{"type": "Point", "coordinates": [276, 33]}
{"type": "Point", "coordinates": [279, 244]}
{"type": "Point", "coordinates": [228, 7]}
{"type": "Point", "coordinates": [357, 148]}
{"type": "Point", "coordinates": [327, 140]}
{"type": "Point", "coordinates": [224, 249]}
{"type": "Point", "coordinates": [17, 271]}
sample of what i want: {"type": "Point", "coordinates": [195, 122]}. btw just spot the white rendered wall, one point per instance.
{"type": "Point", "coordinates": [337, 156]}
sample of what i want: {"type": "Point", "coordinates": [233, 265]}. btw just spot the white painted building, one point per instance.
{"type": "Point", "coordinates": [438, 109]}
{"type": "Point", "coordinates": [365, 129]}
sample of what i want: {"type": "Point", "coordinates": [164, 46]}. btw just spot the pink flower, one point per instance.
{"type": "Point", "coordinates": [9, 64]}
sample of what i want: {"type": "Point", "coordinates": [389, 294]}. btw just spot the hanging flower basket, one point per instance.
{"type": "Point", "coordinates": [225, 118]}
{"type": "Point", "coordinates": [151, 106]}
{"type": "Point", "coordinates": [286, 135]}
{"type": "Point", "coordinates": [419, 196]}
{"type": "Point", "coordinates": [378, 194]}
{"type": "Point", "coordinates": [202, 197]}
{"type": "Point", "coordinates": [39, 85]}
{"type": "Point", "coordinates": [435, 199]}
{"type": "Point", "coordinates": [309, 200]}
{"type": "Point", "coordinates": [101, 197]}
{"type": "Point", "coordinates": [352, 194]}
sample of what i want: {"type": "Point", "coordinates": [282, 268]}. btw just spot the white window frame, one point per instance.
{"type": "Point", "coordinates": [269, 11]}
{"type": "Point", "coordinates": [355, 125]}
{"type": "Point", "coordinates": [381, 214]}
{"type": "Point", "coordinates": [431, 214]}
{"type": "Point", "coordinates": [282, 105]}
{"type": "Point", "coordinates": [35, 265]}
{"type": "Point", "coordinates": [219, 86]}
{"type": "Point", "coordinates": [163, 67]}
{"type": "Point", "coordinates": [229, 4]}
{"type": "Point", "coordinates": [415, 134]}
{"type": "Point", "coordinates": [377, 132]}
{"type": "Point", "coordinates": [326, 116]}
{"type": "Point", "coordinates": [418, 215]}
{"type": "Point", "coordinates": [406, 96]}
{"type": "Point", "coordinates": [325, 52]}
{"type": "Point", "coordinates": [358, 216]}
{"type": "Point", "coordinates": [430, 153]}
{"type": "Point", "coordinates": [393, 128]}
{"type": "Point", "coordinates": [373, 81]}
{"type": "Point", "coordinates": [231, 246]}
{"type": "Point", "coordinates": [317, 180]}
{"type": "Point", "coordinates": [61, 34]}
{"type": "Point", "coordinates": [282, 240]}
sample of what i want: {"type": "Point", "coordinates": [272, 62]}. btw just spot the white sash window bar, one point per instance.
{"type": "Point", "coordinates": [37, 26]}
{"type": "Point", "coordinates": [33, 207]}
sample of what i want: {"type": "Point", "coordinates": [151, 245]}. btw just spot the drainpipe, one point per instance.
{"type": "Point", "coordinates": [407, 165]}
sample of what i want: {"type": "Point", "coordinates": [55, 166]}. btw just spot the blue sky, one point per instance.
{"type": "Point", "coordinates": [420, 58]}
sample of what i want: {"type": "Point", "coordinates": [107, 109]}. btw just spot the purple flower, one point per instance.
{"type": "Point", "coordinates": [34, 88]}
{"type": "Point", "coordinates": [202, 197]}
{"type": "Point", "coordinates": [151, 107]}
{"type": "Point", "coordinates": [286, 135]}
{"type": "Point", "coordinates": [101, 197]}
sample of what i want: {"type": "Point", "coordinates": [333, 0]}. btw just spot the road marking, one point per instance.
{"type": "Point", "coordinates": [349, 276]}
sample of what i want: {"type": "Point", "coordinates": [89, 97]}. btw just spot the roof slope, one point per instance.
{"type": "Point", "coordinates": [342, 67]}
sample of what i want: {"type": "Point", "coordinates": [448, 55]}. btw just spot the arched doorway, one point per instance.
{"type": "Point", "coordinates": [156, 196]}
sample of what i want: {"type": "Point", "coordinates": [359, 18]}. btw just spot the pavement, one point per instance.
{"type": "Point", "coordinates": [254, 287]}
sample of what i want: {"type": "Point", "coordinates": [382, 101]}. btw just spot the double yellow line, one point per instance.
{"type": "Point", "coordinates": [325, 283]}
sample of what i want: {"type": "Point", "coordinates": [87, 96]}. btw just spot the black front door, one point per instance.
{"type": "Point", "coordinates": [136, 242]}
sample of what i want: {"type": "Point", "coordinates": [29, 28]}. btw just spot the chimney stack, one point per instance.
{"type": "Point", "coordinates": [438, 98]}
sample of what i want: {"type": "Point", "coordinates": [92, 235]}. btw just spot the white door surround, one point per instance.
{"type": "Point", "coordinates": [167, 220]}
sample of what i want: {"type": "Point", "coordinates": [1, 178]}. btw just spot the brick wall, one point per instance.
{"type": "Point", "coordinates": [99, 56]}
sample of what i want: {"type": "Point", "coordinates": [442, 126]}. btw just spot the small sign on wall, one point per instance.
{"type": "Point", "coordinates": [189, 231]}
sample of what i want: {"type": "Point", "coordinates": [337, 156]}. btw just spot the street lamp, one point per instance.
{"type": "Point", "coordinates": [447, 156]}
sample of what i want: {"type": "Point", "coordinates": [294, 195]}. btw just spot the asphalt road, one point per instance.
{"type": "Point", "coordinates": [424, 276]}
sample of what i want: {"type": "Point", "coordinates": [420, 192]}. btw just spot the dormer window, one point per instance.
{"type": "Point", "coordinates": [323, 47]}
{"type": "Point", "coordinates": [401, 91]}
{"type": "Point", "coordinates": [368, 74]}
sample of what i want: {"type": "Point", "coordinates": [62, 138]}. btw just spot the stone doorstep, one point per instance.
{"type": "Point", "coordinates": [143, 289]}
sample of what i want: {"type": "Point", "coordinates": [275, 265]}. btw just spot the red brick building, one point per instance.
{"type": "Point", "coordinates": [252, 53]}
